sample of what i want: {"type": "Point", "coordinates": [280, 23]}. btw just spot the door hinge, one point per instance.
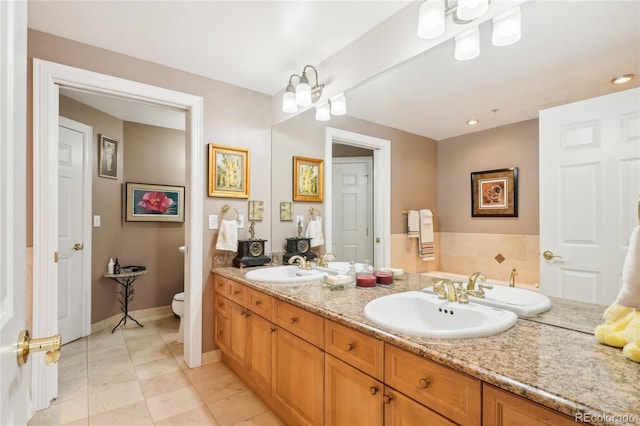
{"type": "Point", "coordinates": [55, 257]}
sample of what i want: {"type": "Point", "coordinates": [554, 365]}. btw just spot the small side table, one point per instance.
{"type": "Point", "coordinates": [126, 279]}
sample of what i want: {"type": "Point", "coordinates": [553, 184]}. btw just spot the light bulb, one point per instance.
{"type": "Point", "coordinates": [303, 91]}
{"type": "Point", "coordinates": [431, 19]}
{"type": "Point", "coordinates": [322, 112]}
{"type": "Point", "coordinates": [507, 28]}
{"type": "Point", "coordinates": [339, 105]}
{"type": "Point", "coordinates": [468, 10]}
{"type": "Point", "coordinates": [289, 100]}
{"type": "Point", "coordinates": [468, 45]}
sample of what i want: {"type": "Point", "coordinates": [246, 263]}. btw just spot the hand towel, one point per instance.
{"type": "Point", "coordinates": [228, 235]}
{"type": "Point", "coordinates": [426, 246]}
{"type": "Point", "coordinates": [622, 318]}
{"type": "Point", "coordinates": [314, 231]}
{"type": "Point", "coordinates": [413, 224]}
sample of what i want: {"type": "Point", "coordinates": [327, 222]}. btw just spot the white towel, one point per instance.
{"type": "Point", "coordinates": [314, 231]}
{"type": "Point", "coordinates": [227, 235]}
{"type": "Point", "coordinates": [413, 224]}
{"type": "Point", "coordinates": [629, 294]}
{"type": "Point", "coordinates": [426, 246]}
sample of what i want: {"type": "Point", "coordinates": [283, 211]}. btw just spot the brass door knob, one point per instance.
{"type": "Point", "coordinates": [26, 345]}
{"type": "Point", "coordinates": [78, 246]}
{"type": "Point", "coordinates": [548, 255]}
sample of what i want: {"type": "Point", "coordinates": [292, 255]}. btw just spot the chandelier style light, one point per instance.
{"type": "Point", "coordinates": [431, 24]}
{"type": "Point", "coordinates": [300, 93]}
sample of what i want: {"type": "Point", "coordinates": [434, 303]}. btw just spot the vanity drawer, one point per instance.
{"type": "Point", "coordinates": [355, 348]}
{"type": "Point", "coordinates": [220, 285]}
{"type": "Point", "coordinates": [450, 393]}
{"type": "Point", "coordinates": [237, 292]}
{"type": "Point", "coordinates": [221, 305]}
{"type": "Point", "coordinates": [303, 324]}
{"type": "Point", "coordinates": [259, 303]}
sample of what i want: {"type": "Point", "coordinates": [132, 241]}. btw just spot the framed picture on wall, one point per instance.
{"type": "Point", "coordinates": [108, 157]}
{"type": "Point", "coordinates": [308, 179]}
{"type": "Point", "coordinates": [494, 193]}
{"type": "Point", "coordinates": [154, 203]}
{"type": "Point", "coordinates": [228, 172]}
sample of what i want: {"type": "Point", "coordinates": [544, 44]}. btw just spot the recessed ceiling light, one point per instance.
{"type": "Point", "coordinates": [621, 79]}
{"type": "Point", "coordinates": [473, 122]}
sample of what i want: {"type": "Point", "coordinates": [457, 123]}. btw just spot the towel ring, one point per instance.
{"type": "Point", "coordinates": [226, 208]}
{"type": "Point", "coordinates": [312, 211]}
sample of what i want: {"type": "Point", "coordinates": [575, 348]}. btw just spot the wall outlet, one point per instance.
{"type": "Point", "coordinates": [213, 221]}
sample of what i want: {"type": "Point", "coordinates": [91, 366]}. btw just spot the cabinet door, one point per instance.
{"type": "Point", "coordinates": [298, 379]}
{"type": "Point", "coordinates": [402, 410]}
{"type": "Point", "coordinates": [221, 332]}
{"type": "Point", "coordinates": [351, 397]}
{"type": "Point", "coordinates": [259, 351]}
{"type": "Point", "coordinates": [504, 408]}
{"type": "Point", "coordinates": [237, 333]}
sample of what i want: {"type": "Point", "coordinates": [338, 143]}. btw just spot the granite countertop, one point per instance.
{"type": "Point", "coordinates": [545, 359]}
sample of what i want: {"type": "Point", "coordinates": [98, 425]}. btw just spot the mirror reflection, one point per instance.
{"type": "Point", "coordinates": [569, 52]}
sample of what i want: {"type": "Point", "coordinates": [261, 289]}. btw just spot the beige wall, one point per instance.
{"type": "Point", "coordinates": [232, 116]}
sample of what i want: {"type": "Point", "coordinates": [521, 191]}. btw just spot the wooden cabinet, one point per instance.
{"type": "Point", "coordinates": [448, 392]}
{"type": "Point", "coordinates": [238, 336]}
{"type": "Point", "coordinates": [221, 331]}
{"type": "Point", "coordinates": [259, 349]}
{"type": "Point", "coordinates": [298, 379]}
{"type": "Point", "coordinates": [401, 410]}
{"type": "Point", "coordinates": [303, 324]}
{"type": "Point", "coordinates": [351, 397]}
{"type": "Point", "coordinates": [356, 348]}
{"type": "Point", "coordinates": [504, 408]}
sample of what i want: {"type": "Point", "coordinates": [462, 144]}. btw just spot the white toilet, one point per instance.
{"type": "Point", "coordinates": [177, 306]}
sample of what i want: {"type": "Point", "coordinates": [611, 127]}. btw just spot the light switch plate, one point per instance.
{"type": "Point", "coordinates": [213, 221]}
{"type": "Point", "coordinates": [240, 220]}
{"type": "Point", "coordinates": [96, 221]}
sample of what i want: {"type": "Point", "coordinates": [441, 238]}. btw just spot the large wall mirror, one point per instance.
{"type": "Point", "coordinates": [569, 51]}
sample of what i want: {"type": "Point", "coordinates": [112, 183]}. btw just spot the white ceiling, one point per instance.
{"type": "Point", "coordinates": [569, 51]}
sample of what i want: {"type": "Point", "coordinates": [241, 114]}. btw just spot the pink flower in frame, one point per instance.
{"type": "Point", "coordinates": [155, 202]}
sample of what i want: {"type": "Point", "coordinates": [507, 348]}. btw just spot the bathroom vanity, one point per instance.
{"type": "Point", "coordinates": [312, 357]}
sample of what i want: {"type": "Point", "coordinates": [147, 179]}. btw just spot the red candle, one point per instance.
{"type": "Point", "coordinates": [384, 277]}
{"type": "Point", "coordinates": [366, 280]}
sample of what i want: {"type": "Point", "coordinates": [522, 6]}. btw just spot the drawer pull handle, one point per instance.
{"type": "Point", "coordinates": [424, 383]}
{"type": "Point", "coordinates": [387, 399]}
{"type": "Point", "coordinates": [294, 320]}
{"type": "Point", "coordinates": [373, 390]}
{"type": "Point", "coordinates": [350, 347]}
{"type": "Point", "coordinates": [220, 333]}
{"type": "Point", "coordinates": [273, 330]}
{"type": "Point", "coordinates": [236, 292]}
{"type": "Point", "coordinates": [258, 302]}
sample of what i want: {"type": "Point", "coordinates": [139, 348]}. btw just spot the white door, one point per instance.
{"type": "Point", "coordinates": [15, 407]}
{"type": "Point", "coordinates": [74, 254]}
{"type": "Point", "coordinates": [352, 209]}
{"type": "Point", "coordinates": [589, 188]}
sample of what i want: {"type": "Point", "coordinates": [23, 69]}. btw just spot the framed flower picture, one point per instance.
{"type": "Point", "coordinates": [308, 179]}
{"type": "Point", "coordinates": [494, 193]}
{"type": "Point", "coordinates": [228, 172]}
{"type": "Point", "coordinates": [154, 203]}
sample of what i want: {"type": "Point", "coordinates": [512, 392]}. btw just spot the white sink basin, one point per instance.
{"type": "Point", "coordinates": [284, 275]}
{"type": "Point", "coordinates": [522, 302]}
{"type": "Point", "coordinates": [424, 315]}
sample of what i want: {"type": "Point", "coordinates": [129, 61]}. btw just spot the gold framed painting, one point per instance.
{"type": "Point", "coordinates": [228, 171]}
{"type": "Point", "coordinates": [308, 179]}
{"type": "Point", "coordinates": [494, 193]}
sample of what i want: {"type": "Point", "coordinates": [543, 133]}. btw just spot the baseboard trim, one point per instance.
{"type": "Point", "coordinates": [141, 314]}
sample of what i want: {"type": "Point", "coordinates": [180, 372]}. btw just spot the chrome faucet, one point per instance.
{"type": "Point", "coordinates": [301, 260]}
{"type": "Point", "coordinates": [446, 289]}
{"type": "Point", "coordinates": [512, 278]}
{"type": "Point", "coordinates": [324, 262]}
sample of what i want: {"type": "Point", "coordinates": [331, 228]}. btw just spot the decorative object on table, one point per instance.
{"type": "Point", "coordinates": [110, 266]}
{"type": "Point", "coordinates": [154, 203]}
{"type": "Point", "coordinates": [314, 228]}
{"type": "Point", "coordinates": [308, 179]}
{"type": "Point", "coordinates": [251, 253]}
{"type": "Point", "coordinates": [228, 229]}
{"type": "Point", "coordinates": [228, 171]}
{"type": "Point", "coordinates": [286, 211]}
{"type": "Point", "coordinates": [338, 281]}
{"type": "Point", "coordinates": [108, 158]}
{"type": "Point", "coordinates": [256, 210]}
{"type": "Point", "coordinates": [622, 318]}
{"type": "Point", "coordinates": [116, 267]}
{"type": "Point", "coordinates": [494, 193]}
{"type": "Point", "coordinates": [426, 245]}
{"type": "Point", "coordinates": [125, 278]}
{"type": "Point", "coordinates": [298, 246]}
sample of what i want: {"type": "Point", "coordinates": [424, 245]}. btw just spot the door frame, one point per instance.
{"type": "Point", "coordinates": [370, 197]}
{"type": "Point", "coordinates": [381, 187]}
{"type": "Point", "coordinates": [87, 138]}
{"type": "Point", "coordinates": [47, 76]}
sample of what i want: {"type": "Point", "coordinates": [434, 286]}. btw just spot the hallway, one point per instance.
{"type": "Point", "coordinates": [136, 376]}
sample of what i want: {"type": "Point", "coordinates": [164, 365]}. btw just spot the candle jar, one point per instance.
{"type": "Point", "coordinates": [384, 277]}
{"type": "Point", "coordinates": [365, 280]}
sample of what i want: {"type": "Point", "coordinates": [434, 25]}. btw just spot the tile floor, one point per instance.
{"type": "Point", "coordinates": [137, 376]}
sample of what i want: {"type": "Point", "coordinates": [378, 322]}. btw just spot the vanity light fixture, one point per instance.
{"type": "Point", "coordinates": [468, 44]}
{"type": "Point", "coordinates": [431, 19]}
{"type": "Point", "coordinates": [468, 10]}
{"type": "Point", "coordinates": [621, 79]}
{"type": "Point", "coordinates": [322, 111]}
{"type": "Point", "coordinates": [301, 94]}
{"type": "Point", "coordinates": [507, 27]}
{"type": "Point", "coordinates": [338, 104]}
